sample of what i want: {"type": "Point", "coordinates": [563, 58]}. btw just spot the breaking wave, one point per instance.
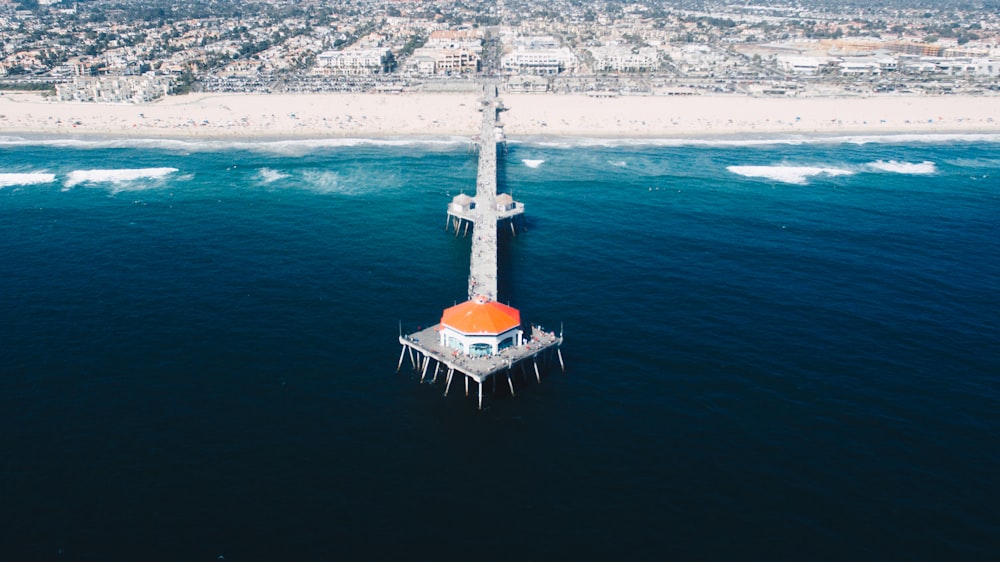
{"type": "Point", "coordinates": [120, 178]}
{"type": "Point", "coordinates": [267, 175]}
{"type": "Point", "coordinates": [324, 182]}
{"type": "Point", "coordinates": [735, 140]}
{"type": "Point", "coordinates": [283, 147]}
{"type": "Point", "coordinates": [533, 163]}
{"type": "Point", "coordinates": [787, 174]}
{"type": "Point", "coordinates": [919, 168]}
{"type": "Point", "coordinates": [30, 178]}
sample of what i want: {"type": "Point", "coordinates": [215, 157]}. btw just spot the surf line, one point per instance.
{"type": "Point", "coordinates": [482, 339]}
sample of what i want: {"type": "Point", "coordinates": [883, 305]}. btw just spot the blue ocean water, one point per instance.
{"type": "Point", "coordinates": [776, 350]}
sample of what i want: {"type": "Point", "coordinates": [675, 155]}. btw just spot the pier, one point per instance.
{"type": "Point", "coordinates": [482, 339]}
{"type": "Point", "coordinates": [486, 211]}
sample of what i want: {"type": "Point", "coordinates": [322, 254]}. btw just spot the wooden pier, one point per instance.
{"type": "Point", "coordinates": [483, 339]}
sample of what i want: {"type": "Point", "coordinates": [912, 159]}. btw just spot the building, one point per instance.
{"type": "Point", "coordinates": [914, 48]}
{"type": "Point", "coordinates": [114, 89]}
{"type": "Point", "coordinates": [447, 52]}
{"type": "Point", "coordinates": [872, 65]}
{"type": "Point", "coordinates": [538, 56]}
{"type": "Point", "coordinates": [454, 39]}
{"type": "Point", "coordinates": [801, 65]}
{"type": "Point", "coordinates": [427, 60]}
{"type": "Point", "coordinates": [352, 62]}
{"type": "Point", "coordinates": [527, 84]}
{"type": "Point", "coordinates": [505, 202]}
{"type": "Point", "coordinates": [480, 327]}
{"type": "Point", "coordinates": [456, 61]}
{"type": "Point", "coordinates": [539, 62]}
{"type": "Point", "coordinates": [462, 203]}
{"type": "Point", "coordinates": [624, 59]}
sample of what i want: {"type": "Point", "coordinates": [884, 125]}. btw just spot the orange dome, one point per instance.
{"type": "Point", "coordinates": [481, 316]}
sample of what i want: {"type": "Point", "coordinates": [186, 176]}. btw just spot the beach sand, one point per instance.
{"type": "Point", "coordinates": [648, 116]}
{"type": "Point", "coordinates": [249, 116]}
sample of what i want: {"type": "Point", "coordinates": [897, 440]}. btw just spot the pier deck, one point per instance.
{"type": "Point", "coordinates": [483, 263]}
{"type": "Point", "coordinates": [487, 209]}
{"type": "Point", "coordinates": [478, 368]}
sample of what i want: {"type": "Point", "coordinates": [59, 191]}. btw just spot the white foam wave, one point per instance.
{"type": "Point", "coordinates": [918, 168]}
{"type": "Point", "coordinates": [267, 175]}
{"type": "Point", "coordinates": [283, 147]}
{"type": "Point", "coordinates": [911, 138]}
{"type": "Point", "coordinates": [323, 181]}
{"type": "Point", "coordinates": [974, 162]}
{"type": "Point", "coordinates": [29, 178]}
{"type": "Point", "coordinates": [306, 146]}
{"type": "Point", "coordinates": [618, 163]}
{"type": "Point", "coordinates": [117, 177]}
{"type": "Point", "coordinates": [533, 163]}
{"type": "Point", "coordinates": [594, 142]}
{"type": "Point", "coordinates": [738, 141]}
{"type": "Point", "coordinates": [787, 174]}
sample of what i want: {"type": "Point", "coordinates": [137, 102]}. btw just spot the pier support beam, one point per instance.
{"type": "Point", "coordinates": [561, 364]}
{"type": "Point", "coordinates": [467, 385]}
{"type": "Point", "coordinates": [402, 352]}
{"type": "Point", "coordinates": [447, 385]}
{"type": "Point", "coordinates": [480, 395]}
{"type": "Point", "coordinates": [423, 372]}
{"type": "Point", "coordinates": [510, 383]}
{"type": "Point", "coordinates": [537, 376]}
{"type": "Point", "coordinates": [437, 365]}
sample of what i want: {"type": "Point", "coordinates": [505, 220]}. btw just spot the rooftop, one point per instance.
{"type": "Point", "coordinates": [481, 316]}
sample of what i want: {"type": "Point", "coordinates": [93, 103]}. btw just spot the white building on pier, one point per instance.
{"type": "Point", "coordinates": [480, 327]}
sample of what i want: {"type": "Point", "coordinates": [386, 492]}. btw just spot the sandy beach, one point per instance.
{"type": "Point", "coordinates": [249, 116]}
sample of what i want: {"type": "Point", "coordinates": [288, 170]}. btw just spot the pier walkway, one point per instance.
{"type": "Point", "coordinates": [486, 210]}
{"type": "Point", "coordinates": [483, 263]}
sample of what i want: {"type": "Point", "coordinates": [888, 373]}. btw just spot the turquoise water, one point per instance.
{"type": "Point", "coordinates": [778, 350]}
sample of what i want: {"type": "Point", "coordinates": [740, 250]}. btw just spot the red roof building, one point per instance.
{"type": "Point", "coordinates": [481, 327]}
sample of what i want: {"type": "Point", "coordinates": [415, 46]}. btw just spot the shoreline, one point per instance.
{"type": "Point", "coordinates": [433, 117]}
{"type": "Point", "coordinates": [730, 138]}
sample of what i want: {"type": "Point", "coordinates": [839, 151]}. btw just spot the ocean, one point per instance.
{"type": "Point", "coordinates": [776, 349]}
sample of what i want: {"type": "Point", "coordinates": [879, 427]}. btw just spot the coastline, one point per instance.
{"type": "Point", "coordinates": [414, 116]}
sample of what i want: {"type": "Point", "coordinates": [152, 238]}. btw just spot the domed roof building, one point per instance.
{"type": "Point", "coordinates": [480, 327]}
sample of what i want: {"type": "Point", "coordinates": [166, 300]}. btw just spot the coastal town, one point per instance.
{"type": "Point", "coordinates": [136, 52]}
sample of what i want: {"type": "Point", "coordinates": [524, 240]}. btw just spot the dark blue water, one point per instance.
{"type": "Point", "coordinates": [795, 362]}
